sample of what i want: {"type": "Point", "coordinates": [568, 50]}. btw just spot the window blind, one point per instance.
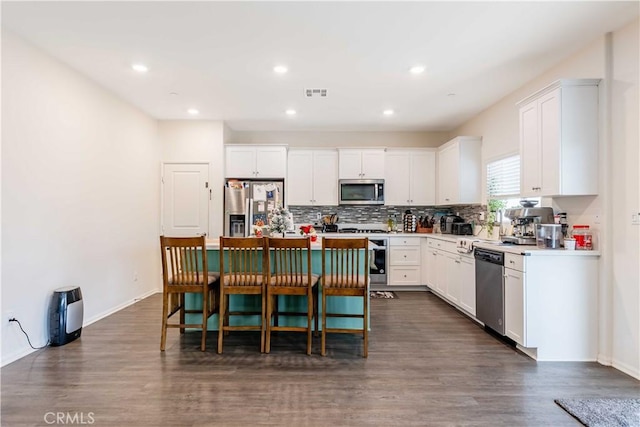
{"type": "Point", "coordinates": [503, 178]}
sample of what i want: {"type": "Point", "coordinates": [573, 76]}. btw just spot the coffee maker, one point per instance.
{"type": "Point", "coordinates": [523, 221]}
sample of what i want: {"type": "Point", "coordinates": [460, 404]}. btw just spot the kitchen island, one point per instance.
{"type": "Point", "coordinates": [252, 303]}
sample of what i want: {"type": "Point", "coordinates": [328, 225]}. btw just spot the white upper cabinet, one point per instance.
{"type": "Point", "coordinates": [255, 161]}
{"type": "Point", "coordinates": [312, 178]}
{"type": "Point", "coordinates": [559, 140]}
{"type": "Point", "coordinates": [410, 177]}
{"type": "Point", "coordinates": [362, 163]}
{"type": "Point", "coordinates": [459, 171]}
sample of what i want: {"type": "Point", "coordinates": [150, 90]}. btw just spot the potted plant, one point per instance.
{"type": "Point", "coordinates": [279, 222]}
{"type": "Point", "coordinates": [494, 206]}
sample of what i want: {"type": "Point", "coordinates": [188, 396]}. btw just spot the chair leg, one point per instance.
{"type": "Point", "coordinates": [309, 319]}
{"type": "Point", "coordinates": [365, 324]}
{"type": "Point", "coordinates": [165, 313]}
{"type": "Point", "coordinates": [263, 314]}
{"type": "Point", "coordinates": [181, 298]}
{"type": "Point", "coordinates": [221, 317]}
{"type": "Point", "coordinates": [267, 319]}
{"type": "Point", "coordinates": [316, 312]}
{"type": "Point", "coordinates": [226, 313]}
{"type": "Point", "coordinates": [205, 311]}
{"type": "Point", "coordinates": [323, 350]}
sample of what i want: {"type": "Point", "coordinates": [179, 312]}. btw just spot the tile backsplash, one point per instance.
{"type": "Point", "coordinates": [380, 214]}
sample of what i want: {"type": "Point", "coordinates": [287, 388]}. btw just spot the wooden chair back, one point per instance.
{"type": "Point", "coordinates": [184, 261]}
{"type": "Point", "coordinates": [289, 261]}
{"type": "Point", "coordinates": [241, 261]}
{"type": "Point", "coordinates": [345, 262]}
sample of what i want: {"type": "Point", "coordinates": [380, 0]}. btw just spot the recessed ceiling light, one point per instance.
{"type": "Point", "coordinates": [193, 111]}
{"type": "Point", "coordinates": [451, 94]}
{"type": "Point", "coordinates": [141, 68]}
{"type": "Point", "coordinates": [280, 69]}
{"type": "Point", "coordinates": [388, 112]}
{"type": "Point", "coordinates": [290, 112]}
{"type": "Point", "coordinates": [417, 69]}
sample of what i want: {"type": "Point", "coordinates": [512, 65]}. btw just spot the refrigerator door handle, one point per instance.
{"type": "Point", "coordinates": [247, 217]}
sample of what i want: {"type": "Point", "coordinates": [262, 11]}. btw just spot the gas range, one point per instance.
{"type": "Point", "coordinates": [360, 230]}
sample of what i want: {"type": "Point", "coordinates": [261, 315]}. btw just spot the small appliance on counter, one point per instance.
{"type": "Point", "coordinates": [549, 236]}
{"type": "Point", "coordinates": [462, 229]}
{"type": "Point", "coordinates": [447, 221]}
{"type": "Point", "coordinates": [464, 245]}
{"type": "Point", "coordinates": [524, 221]}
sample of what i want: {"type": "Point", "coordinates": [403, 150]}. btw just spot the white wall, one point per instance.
{"type": "Point", "coordinates": [79, 194]}
{"type": "Point", "coordinates": [185, 141]}
{"type": "Point", "coordinates": [624, 181]}
{"type": "Point", "coordinates": [610, 212]}
{"type": "Point", "coordinates": [342, 139]}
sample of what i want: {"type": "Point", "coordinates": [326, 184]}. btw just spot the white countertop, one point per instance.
{"type": "Point", "coordinates": [214, 244]}
{"type": "Point", "coordinates": [529, 250]}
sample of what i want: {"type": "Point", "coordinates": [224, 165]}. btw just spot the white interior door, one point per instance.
{"type": "Point", "coordinates": [185, 199]}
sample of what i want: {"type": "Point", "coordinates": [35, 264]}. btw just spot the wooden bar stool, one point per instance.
{"type": "Point", "coordinates": [241, 273]}
{"type": "Point", "coordinates": [345, 272]}
{"type": "Point", "coordinates": [184, 270]}
{"type": "Point", "coordinates": [289, 271]}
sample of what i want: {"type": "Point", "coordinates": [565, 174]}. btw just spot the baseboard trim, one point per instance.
{"type": "Point", "coordinates": [626, 368]}
{"type": "Point", "coordinates": [120, 307]}
{"type": "Point", "coordinates": [25, 352]}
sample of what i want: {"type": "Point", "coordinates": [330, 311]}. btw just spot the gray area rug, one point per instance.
{"type": "Point", "coordinates": [382, 294]}
{"type": "Point", "coordinates": [603, 412]}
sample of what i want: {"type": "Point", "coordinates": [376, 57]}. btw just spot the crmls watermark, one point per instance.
{"type": "Point", "coordinates": [69, 418]}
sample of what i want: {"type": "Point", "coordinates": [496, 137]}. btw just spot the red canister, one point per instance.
{"type": "Point", "coordinates": [583, 236]}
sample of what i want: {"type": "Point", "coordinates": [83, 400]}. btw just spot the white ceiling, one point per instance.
{"type": "Point", "coordinates": [218, 57]}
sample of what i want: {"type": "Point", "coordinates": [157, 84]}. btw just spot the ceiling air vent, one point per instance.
{"type": "Point", "coordinates": [315, 93]}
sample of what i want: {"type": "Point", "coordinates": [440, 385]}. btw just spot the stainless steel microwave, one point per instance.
{"type": "Point", "coordinates": [361, 191]}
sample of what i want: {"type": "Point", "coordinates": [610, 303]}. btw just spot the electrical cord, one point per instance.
{"type": "Point", "coordinates": [27, 335]}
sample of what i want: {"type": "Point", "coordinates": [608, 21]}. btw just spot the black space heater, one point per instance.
{"type": "Point", "coordinates": [65, 315]}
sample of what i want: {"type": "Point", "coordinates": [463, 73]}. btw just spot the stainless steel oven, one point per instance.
{"type": "Point", "coordinates": [378, 262]}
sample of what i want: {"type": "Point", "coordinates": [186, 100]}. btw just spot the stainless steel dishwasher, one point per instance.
{"type": "Point", "coordinates": [490, 288]}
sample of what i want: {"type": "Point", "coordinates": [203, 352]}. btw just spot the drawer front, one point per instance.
{"type": "Point", "coordinates": [435, 243]}
{"type": "Point", "coordinates": [404, 276]}
{"type": "Point", "coordinates": [404, 241]}
{"type": "Point", "coordinates": [449, 247]}
{"type": "Point", "coordinates": [513, 261]}
{"type": "Point", "coordinates": [401, 256]}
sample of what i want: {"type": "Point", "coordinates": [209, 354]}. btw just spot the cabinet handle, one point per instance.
{"type": "Point", "coordinates": [457, 261]}
{"type": "Point", "coordinates": [511, 262]}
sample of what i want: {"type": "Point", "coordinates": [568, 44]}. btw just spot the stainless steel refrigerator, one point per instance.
{"type": "Point", "coordinates": [246, 201]}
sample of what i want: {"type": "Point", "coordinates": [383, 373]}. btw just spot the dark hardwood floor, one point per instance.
{"type": "Point", "coordinates": [428, 365]}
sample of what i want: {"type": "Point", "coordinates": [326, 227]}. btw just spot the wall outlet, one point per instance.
{"type": "Point", "coordinates": [9, 315]}
{"type": "Point", "coordinates": [481, 216]}
{"type": "Point", "coordinates": [635, 218]}
{"type": "Point", "coordinates": [135, 276]}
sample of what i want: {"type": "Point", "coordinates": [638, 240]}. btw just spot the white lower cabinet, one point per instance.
{"type": "Point", "coordinates": [404, 261]}
{"type": "Point", "coordinates": [467, 276]}
{"type": "Point", "coordinates": [514, 315]}
{"type": "Point", "coordinates": [451, 274]}
{"type": "Point", "coordinates": [452, 277]}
